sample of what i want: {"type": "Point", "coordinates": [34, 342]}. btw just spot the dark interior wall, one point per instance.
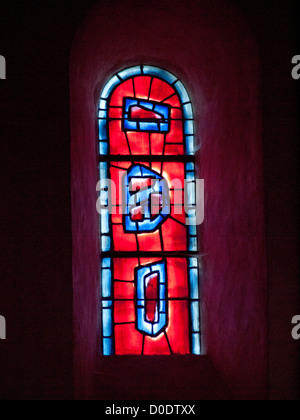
{"type": "Point", "coordinates": [36, 241]}
{"type": "Point", "coordinates": [277, 31]}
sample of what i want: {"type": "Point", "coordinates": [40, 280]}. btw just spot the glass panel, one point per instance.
{"type": "Point", "coordinates": [154, 71]}
{"type": "Point", "coordinates": [142, 86]}
{"type": "Point", "coordinates": [133, 71]}
{"type": "Point", "coordinates": [161, 290]}
{"type": "Point", "coordinates": [150, 306]}
{"type": "Point", "coordinates": [160, 90]}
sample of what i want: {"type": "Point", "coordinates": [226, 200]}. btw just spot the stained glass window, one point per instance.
{"type": "Point", "coordinates": [149, 248]}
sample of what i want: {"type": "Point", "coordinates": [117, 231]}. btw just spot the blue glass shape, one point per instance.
{"type": "Point", "coordinates": [106, 322]}
{"type": "Point", "coordinates": [193, 230]}
{"type": "Point", "coordinates": [161, 125]}
{"type": "Point", "coordinates": [148, 126]}
{"type": "Point", "coordinates": [193, 244]}
{"type": "Point", "coordinates": [103, 104]}
{"type": "Point", "coordinates": [110, 86]}
{"type": "Point", "coordinates": [193, 262]}
{"type": "Point", "coordinates": [190, 145]}
{"type": "Point", "coordinates": [189, 127]}
{"type": "Point", "coordinates": [146, 104]}
{"type": "Point", "coordinates": [106, 263]}
{"type": "Point", "coordinates": [196, 347]}
{"type": "Point", "coordinates": [107, 304]}
{"type": "Point", "coordinates": [194, 286]}
{"type": "Point", "coordinates": [142, 198]}
{"type": "Point", "coordinates": [188, 111]}
{"type": "Point", "coordinates": [132, 71]}
{"type": "Point", "coordinates": [190, 166]}
{"type": "Point", "coordinates": [105, 221]}
{"type": "Point", "coordinates": [103, 169]}
{"type": "Point", "coordinates": [105, 243]}
{"type": "Point", "coordinates": [163, 74]}
{"type": "Point", "coordinates": [102, 130]}
{"type": "Point", "coordinates": [195, 317]}
{"type": "Point", "coordinates": [102, 114]}
{"type": "Point", "coordinates": [142, 274]}
{"type": "Point", "coordinates": [106, 283]}
{"type": "Point", "coordinates": [182, 92]}
{"type": "Point", "coordinates": [107, 346]}
{"type": "Point", "coordinates": [103, 148]}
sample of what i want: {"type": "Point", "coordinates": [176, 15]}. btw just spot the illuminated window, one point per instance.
{"type": "Point", "coordinates": [149, 247]}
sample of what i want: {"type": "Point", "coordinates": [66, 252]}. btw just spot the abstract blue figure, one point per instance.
{"type": "Point", "coordinates": [148, 116]}
{"type": "Point", "coordinates": [151, 304]}
{"type": "Point", "coordinates": [147, 200]}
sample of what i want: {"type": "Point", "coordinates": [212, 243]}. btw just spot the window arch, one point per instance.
{"type": "Point", "coordinates": [147, 205]}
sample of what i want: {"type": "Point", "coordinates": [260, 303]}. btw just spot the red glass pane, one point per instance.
{"type": "Point", "coordinates": [123, 241]}
{"type": "Point", "coordinates": [124, 311]}
{"type": "Point", "coordinates": [116, 176]}
{"type": "Point", "coordinates": [176, 133]}
{"type": "Point", "coordinates": [178, 331]}
{"type": "Point", "coordinates": [139, 143]}
{"type": "Point", "coordinates": [123, 290]}
{"type": "Point", "coordinates": [173, 101]}
{"type": "Point", "coordinates": [115, 113]}
{"type": "Point", "coordinates": [116, 217]}
{"type": "Point", "coordinates": [124, 90]}
{"type": "Point", "coordinates": [174, 149]}
{"type": "Point", "coordinates": [173, 171]}
{"type": "Point", "coordinates": [176, 114]}
{"type": "Point", "coordinates": [176, 194]}
{"type": "Point", "coordinates": [160, 90]}
{"type": "Point", "coordinates": [128, 340]}
{"type": "Point", "coordinates": [142, 86]}
{"type": "Point", "coordinates": [143, 163]}
{"type": "Point", "coordinates": [150, 242]}
{"type": "Point", "coordinates": [178, 213]}
{"type": "Point", "coordinates": [156, 166]}
{"type": "Point", "coordinates": [138, 113]}
{"type": "Point", "coordinates": [157, 143]}
{"type": "Point", "coordinates": [124, 268]}
{"type": "Point", "coordinates": [156, 346]}
{"type": "Point", "coordinates": [177, 278]}
{"type": "Point", "coordinates": [147, 261]}
{"type": "Point", "coordinates": [119, 145]}
{"type": "Point", "coordinates": [175, 236]}
{"type": "Point", "coordinates": [152, 298]}
{"type": "Point", "coordinates": [136, 214]}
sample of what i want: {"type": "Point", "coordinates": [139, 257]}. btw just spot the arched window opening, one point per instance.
{"type": "Point", "coordinates": [147, 205]}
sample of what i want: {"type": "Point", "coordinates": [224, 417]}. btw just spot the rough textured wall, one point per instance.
{"type": "Point", "coordinates": [212, 51]}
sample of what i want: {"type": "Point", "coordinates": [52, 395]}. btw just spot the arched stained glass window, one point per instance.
{"type": "Point", "coordinates": [149, 247]}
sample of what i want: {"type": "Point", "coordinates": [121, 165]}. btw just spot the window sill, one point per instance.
{"type": "Point", "coordinates": [158, 378]}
